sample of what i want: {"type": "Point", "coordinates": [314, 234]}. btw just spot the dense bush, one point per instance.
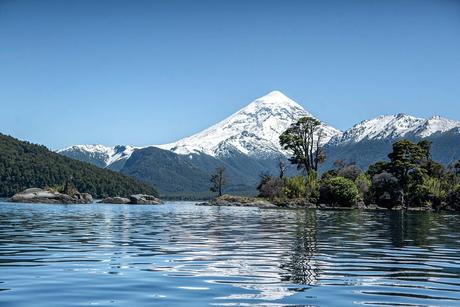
{"type": "Point", "coordinates": [339, 191]}
{"type": "Point", "coordinates": [295, 187]}
{"type": "Point", "coordinates": [24, 165]}
{"type": "Point", "coordinates": [270, 187]}
{"type": "Point", "coordinates": [364, 183]}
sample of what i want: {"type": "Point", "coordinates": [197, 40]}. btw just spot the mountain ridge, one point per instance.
{"type": "Point", "coordinates": [247, 143]}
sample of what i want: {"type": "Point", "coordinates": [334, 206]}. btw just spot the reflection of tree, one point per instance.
{"type": "Point", "coordinates": [300, 267]}
{"type": "Point", "coordinates": [413, 227]}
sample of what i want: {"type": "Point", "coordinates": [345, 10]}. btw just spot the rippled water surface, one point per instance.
{"type": "Point", "coordinates": [184, 255]}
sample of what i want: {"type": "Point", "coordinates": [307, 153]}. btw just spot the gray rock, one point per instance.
{"type": "Point", "coordinates": [36, 195]}
{"type": "Point", "coordinates": [115, 200]}
{"type": "Point", "coordinates": [144, 199]}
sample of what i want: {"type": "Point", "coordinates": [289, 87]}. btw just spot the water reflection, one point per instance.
{"type": "Point", "coordinates": [181, 254]}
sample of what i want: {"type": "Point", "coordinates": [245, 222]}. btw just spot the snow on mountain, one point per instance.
{"type": "Point", "coordinates": [100, 153]}
{"type": "Point", "coordinates": [394, 127]}
{"type": "Point", "coordinates": [254, 130]}
{"type": "Point", "coordinates": [434, 125]}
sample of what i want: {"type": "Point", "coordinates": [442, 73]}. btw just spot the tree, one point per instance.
{"type": "Point", "coordinates": [303, 140]}
{"type": "Point", "coordinates": [407, 159]}
{"type": "Point", "coordinates": [410, 178]}
{"type": "Point", "coordinates": [218, 180]}
{"type": "Point", "coordinates": [282, 168]}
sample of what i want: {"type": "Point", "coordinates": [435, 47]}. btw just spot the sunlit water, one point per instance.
{"type": "Point", "coordinates": [185, 255]}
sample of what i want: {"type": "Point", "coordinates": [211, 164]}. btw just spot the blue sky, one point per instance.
{"type": "Point", "coordinates": [150, 72]}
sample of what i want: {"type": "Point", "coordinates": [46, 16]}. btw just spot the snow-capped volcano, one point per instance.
{"type": "Point", "coordinates": [394, 127]}
{"type": "Point", "coordinates": [254, 130]}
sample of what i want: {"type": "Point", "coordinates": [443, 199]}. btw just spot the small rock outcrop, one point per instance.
{"type": "Point", "coordinates": [41, 196]}
{"type": "Point", "coordinates": [115, 200]}
{"type": "Point", "coordinates": [143, 199]}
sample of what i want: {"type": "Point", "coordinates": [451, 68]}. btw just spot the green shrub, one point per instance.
{"type": "Point", "coordinates": [363, 183]}
{"type": "Point", "coordinates": [295, 187]}
{"type": "Point", "coordinates": [431, 192]}
{"type": "Point", "coordinates": [339, 191]}
{"type": "Point", "coordinates": [312, 187]}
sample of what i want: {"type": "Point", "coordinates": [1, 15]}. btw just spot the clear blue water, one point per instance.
{"type": "Point", "coordinates": [184, 255]}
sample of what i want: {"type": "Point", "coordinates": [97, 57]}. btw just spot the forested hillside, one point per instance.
{"type": "Point", "coordinates": [24, 165]}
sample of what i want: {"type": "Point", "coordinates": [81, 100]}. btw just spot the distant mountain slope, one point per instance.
{"type": "Point", "coordinates": [388, 127]}
{"type": "Point", "coordinates": [188, 175]}
{"type": "Point", "coordinates": [371, 140]}
{"type": "Point", "coordinates": [24, 165]}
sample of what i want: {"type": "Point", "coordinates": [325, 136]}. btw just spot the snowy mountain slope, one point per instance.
{"type": "Point", "coordinates": [390, 127]}
{"type": "Point", "coordinates": [254, 130]}
{"type": "Point", "coordinates": [435, 124]}
{"type": "Point", "coordinates": [99, 155]}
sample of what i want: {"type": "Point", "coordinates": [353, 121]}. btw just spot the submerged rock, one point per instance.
{"type": "Point", "coordinates": [41, 196]}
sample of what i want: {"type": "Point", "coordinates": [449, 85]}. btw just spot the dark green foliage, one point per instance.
{"type": "Point", "coordinates": [24, 165]}
{"type": "Point", "coordinates": [338, 191]}
{"type": "Point", "coordinates": [407, 160]}
{"type": "Point", "coordinates": [302, 139]}
{"type": "Point", "coordinates": [386, 190]}
{"type": "Point", "coordinates": [453, 198]}
{"type": "Point", "coordinates": [411, 178]}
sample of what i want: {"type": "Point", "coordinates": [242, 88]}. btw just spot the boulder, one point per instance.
{"type": "Point", "coordinates": [115, 200]}
{"type": "Point", "coordinates": [36, 195]}
{"type": "Point", "coordinates": [144, 199]}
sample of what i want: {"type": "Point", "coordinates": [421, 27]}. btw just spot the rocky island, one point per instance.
{"type": "Point", "coordinates": [137, 199]}
{"type": "Point", "coordinates": [36, 195]}
{"type": "Point", "coordinates": [49, 196]}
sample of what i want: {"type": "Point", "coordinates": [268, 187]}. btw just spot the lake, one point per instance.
{"type": "Point", "coordinates": [180, 254]}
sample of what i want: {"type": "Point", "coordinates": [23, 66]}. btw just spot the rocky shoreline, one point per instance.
{"type": "Point", "coordinates": [240, 201]}
{"type": "Point", "coordinates": [47, 196]}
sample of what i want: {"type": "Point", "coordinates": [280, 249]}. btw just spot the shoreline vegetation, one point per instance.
{"type": "Point", "coordinates": [410, 179]}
